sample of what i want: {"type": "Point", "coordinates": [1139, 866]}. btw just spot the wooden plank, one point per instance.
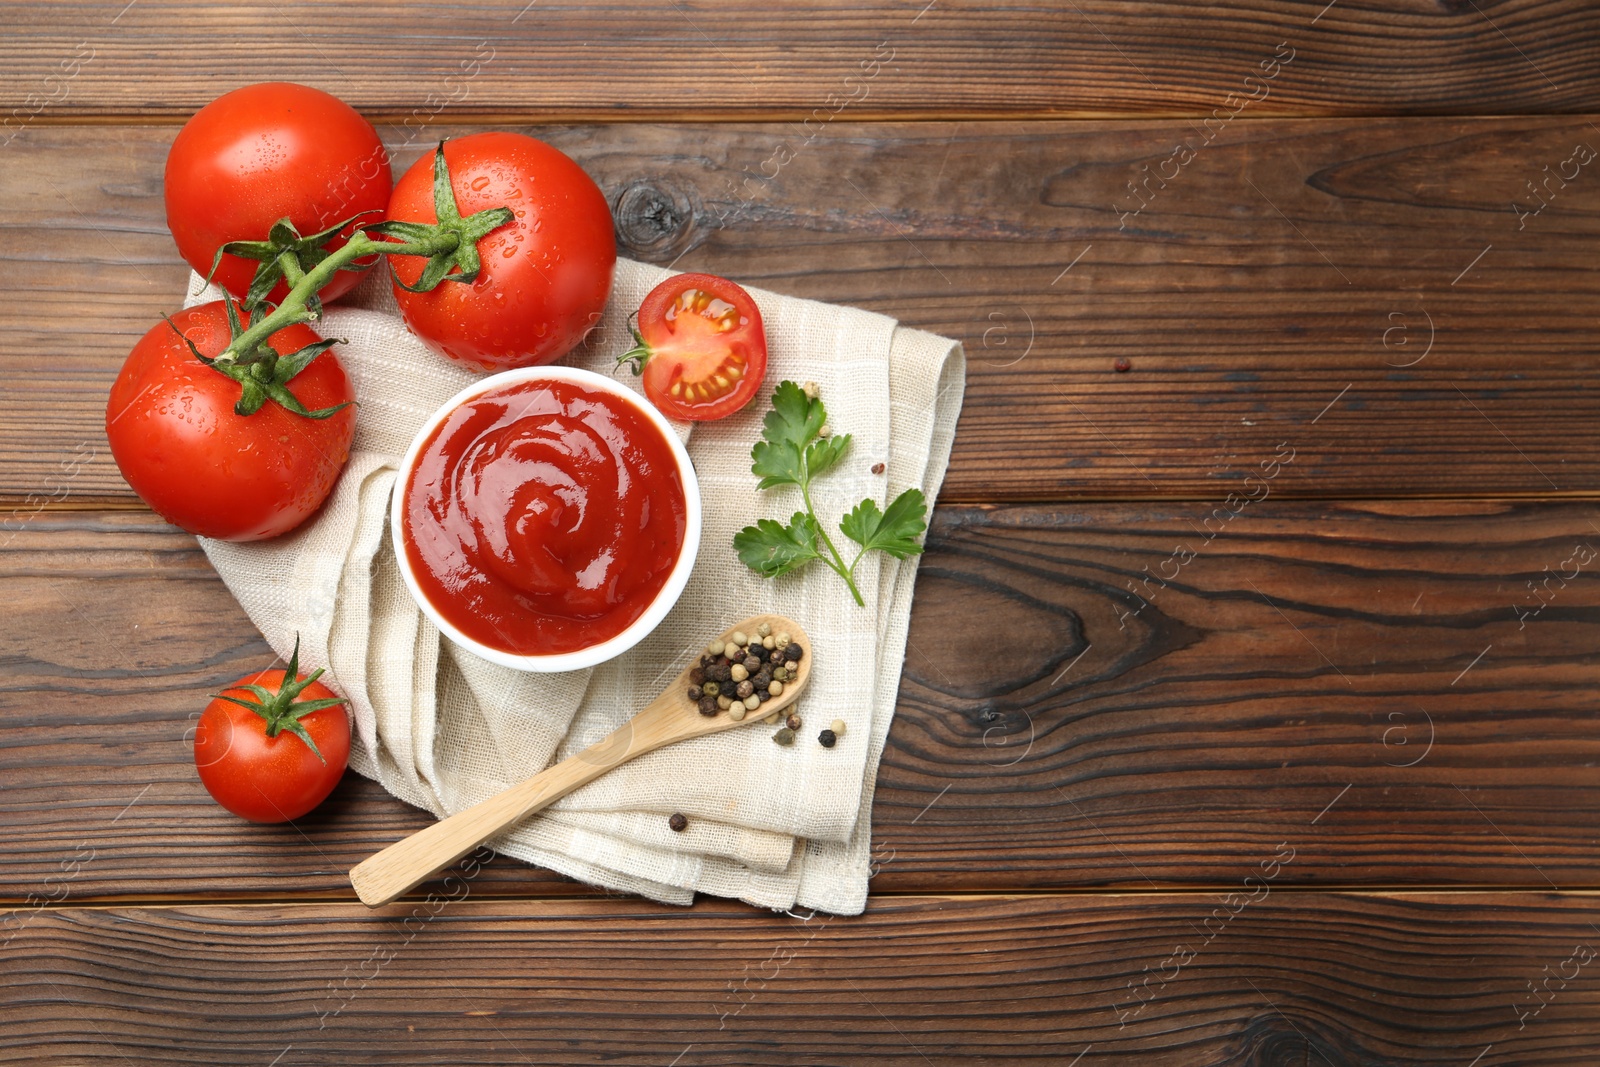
{"type": "Point", "coordinates": [1455, 361]}
{"type": "Point", "coordinates": [1401, 693]}
{"type": "Point", "coordinates": [1423, 979]}
{"type": "Point", "coordinates": [903, 58]}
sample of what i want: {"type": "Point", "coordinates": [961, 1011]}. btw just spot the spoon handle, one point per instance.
{"type": "Point", "coordinates": [384, 876]}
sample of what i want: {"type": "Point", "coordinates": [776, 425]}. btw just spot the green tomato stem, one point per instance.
{"type": "Point", "coordinates": [837, 562]}
{"type": "Point", "coordinates": [294, 309]}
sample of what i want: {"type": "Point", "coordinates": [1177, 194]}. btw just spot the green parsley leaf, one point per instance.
{"type": "Point", "coordinates": [894, 530]}
{"type": "Point", "coordinates": [791, 425]}
{"type": "Point", "coordinates": [824, 452]}
{"type": "Point", "coordinates": [771, 549]}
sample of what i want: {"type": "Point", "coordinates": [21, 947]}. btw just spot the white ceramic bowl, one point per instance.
{"type": "Point", "coordinates": [665, 599]}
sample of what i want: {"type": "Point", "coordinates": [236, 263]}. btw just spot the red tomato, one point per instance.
{"type": "Point", "coordinates": [255, 761]}
{"type": "Point", "coordinates": [545, 275]}
{"type": "Point", "coordinates": [178, 442]}
{"type": "Point", "coordinates": [262, 153]}
{"type": "Point", "coordinates": [702, 346]}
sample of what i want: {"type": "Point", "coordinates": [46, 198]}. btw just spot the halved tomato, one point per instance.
{"type": "Point", "coordinates": [700, 346]}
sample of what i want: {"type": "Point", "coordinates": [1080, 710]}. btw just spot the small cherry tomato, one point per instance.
{"type": "Point", "coordinates": [700, 346]}
{"type": "Point", "coordinates": [272, 746]}
{"type": "Point", "coordinates": [263, 153]}
{"type": "Point", "coordinates": [180, 444]}
{"type": "Point", "coordinates": [545, 275]}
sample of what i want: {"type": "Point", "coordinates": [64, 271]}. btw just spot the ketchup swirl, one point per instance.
{"type": "Point", "coordinates": [544, 517]}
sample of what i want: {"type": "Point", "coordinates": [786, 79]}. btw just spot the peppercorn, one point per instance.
{"type": "Point", "coordinates": [738, 672]}
{"type": "Point", "coordinates": [793, 721]}
{"type": "Point", "coordinates": [784, 737]}
{"type": "Point", "coordinates": [764, 630]}
{"type": "Point", "coordinates": [775, 687]}
{"type": "Point", "coordinates": [720, 673]}
{"type": "Point", "coordinates": [877, 468]}
{"type": "Point", "coordinates": [794, 652]}
{"type": "Point", "coordinates": [828, 738]}
{"type": "Point", "coordinates": [697, 676]}
{"type": "Point", "coordinates": [708, 706]}
{"type": "Point", "coordinates": [739, 638]}
{"type": "Point", "coordinates": [737, 713]}
{"type": "Point", "coordinates": [767, 642]}
{"type": "Point", "coordinates": [791, 666]}
{"type": "Point", "coordinates": [775, 656]}
{"type": "Point", "coordinates": [763, 679]}
{"type": "Point", "coordinates": [724, 702]}
{"type": "Point", "coordinates": [810, 389]}
{"type": "Point", "coordinates": [771, 720]}
{"type": "Point", "coordinates": [715, 648]}
{"type": "Point", "coordinates": [746, 687]}
{"type": "Point", "coordinates": [837, 726]}
{"type": "Point", "coordinates": [710, 689]}
{"type": "Point", "coordinates": [1122, 365]}
{"type": "Point", "coordinates": [761, 696]}
{"type": "Point", "coordinates": [752, 663]}
{"type": "Point", "coordinates": [695, 693]}
{"type": "Point", "coordinates": [781, 638]}
{"type": "Point", "coordinates": [780, 675]}
{"type": "Point", "coordinates": [678, 822]}
{"type": "Point", "coordinates": [825, 431]}
{"type": "Point", "coordinates": [752, 702]}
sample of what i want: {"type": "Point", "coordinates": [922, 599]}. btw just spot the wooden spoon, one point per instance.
{"type": "Point", "coordinates": [669, 717]}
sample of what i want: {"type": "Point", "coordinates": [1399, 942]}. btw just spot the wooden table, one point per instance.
{"type": "Point", "coordinates": [1249, 713]}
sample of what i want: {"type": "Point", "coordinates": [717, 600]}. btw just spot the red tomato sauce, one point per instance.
{"type": "Point", "coordinates": [544, 517]}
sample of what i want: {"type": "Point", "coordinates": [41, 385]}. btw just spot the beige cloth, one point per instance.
{"type": "Point", "coordinates": [442, 729]}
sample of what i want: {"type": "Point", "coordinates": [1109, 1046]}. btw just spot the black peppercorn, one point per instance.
{"type": "Point", "coordinates": [697, 676]}
{"type": "Point", "coordinates": [763, 678]}
{"type": "Point", "coordinates": [776, 656]}
{"type": "Point", "coordinates": [794, 652]}
{"type": "Point", "coordinates": [708, 705]}
{"type": "Point", "coordinates": [678, 822]}
{"type": "Point", "coordinates": [1122, 365]}
{"type": "Point", "coordinates": [720, 673]}
{"type": "Point", "coordinates": [827, 738]}
{"type": "Point", "coordinates": [695, 693]}
{"type": "Point", "coordinates": [877, 468]}
{"type": "Point", "coordinates": [752, 663]}
{"type": "Point", "coordinates": [746, 687]}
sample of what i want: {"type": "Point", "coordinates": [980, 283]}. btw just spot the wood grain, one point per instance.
{"type": "Point", "coordinates": [1292, 978]}
{"type": "Point", "coordinates": [1359, 290]}
{"type": "Point", "coordinates": [1354, 680]}
{"type": "Point", "coordinates": [726, 58]}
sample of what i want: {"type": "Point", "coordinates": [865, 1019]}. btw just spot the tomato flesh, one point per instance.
{"type": "Point", "coordinates": [707, 349]}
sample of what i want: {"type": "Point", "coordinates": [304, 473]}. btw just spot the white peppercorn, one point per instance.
{"type": "Point", "coordinates": [776, 688]}
{"type": "Point", "coordinates": [837, 726]}
{"type": "Point", "coordinates": [738, 672]}
{"type": "Point", "coordinates": [752, 702]}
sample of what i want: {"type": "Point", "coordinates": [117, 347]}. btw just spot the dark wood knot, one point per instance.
{"type": "Point", "coordinates": [1271, 1040]}
{"type": "Point", "coordinates": [656, 220]}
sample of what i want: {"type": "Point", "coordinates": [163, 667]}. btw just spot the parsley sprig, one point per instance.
{"type": "Point", "coordinates": [793, 451]}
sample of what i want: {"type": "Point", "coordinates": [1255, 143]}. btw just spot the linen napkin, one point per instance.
{"type": "Point", "coordinates": [443, 729]}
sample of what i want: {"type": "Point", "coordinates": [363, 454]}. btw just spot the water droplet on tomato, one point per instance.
{"type": "Point", "coordinates": [480, 183]}
{"type": "Point", "coordinates": [509, 251]}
